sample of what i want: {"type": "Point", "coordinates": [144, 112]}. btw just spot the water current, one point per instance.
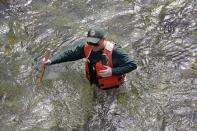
{"type": "Point", "coordinates": [161, 95]}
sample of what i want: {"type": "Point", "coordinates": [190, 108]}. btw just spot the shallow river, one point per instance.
{"type": "Point", "coordinates": [161, 95]}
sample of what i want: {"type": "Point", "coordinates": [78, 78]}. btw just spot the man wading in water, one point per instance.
{"type": "Point", "coordinates": [106, 66]}
{"type": "Point", "coordinates": [106, 63]}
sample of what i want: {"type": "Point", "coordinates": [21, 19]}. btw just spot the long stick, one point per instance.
{"type": "Point", "coordinates": [46, 56]}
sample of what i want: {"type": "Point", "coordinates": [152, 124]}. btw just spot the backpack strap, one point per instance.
{"type": "Point", "coordinates": [108, 51]}
{"type": "Point", "coordinates": [87, 50]}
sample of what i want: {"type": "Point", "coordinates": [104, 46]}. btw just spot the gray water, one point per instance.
{"type": "Point", "coordinates": [161, 95]}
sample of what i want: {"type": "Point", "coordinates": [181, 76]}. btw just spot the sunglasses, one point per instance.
{"type": "Point", "coordinates": [92, 44]}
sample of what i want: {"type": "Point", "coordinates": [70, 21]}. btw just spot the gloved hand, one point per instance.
{"type": "Point", "coordinates": [105, 72]}
{"type": "Point", "coordinates": [45, 62]}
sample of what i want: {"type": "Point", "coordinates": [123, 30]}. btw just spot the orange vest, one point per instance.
{"type": "Point", "coordinates": [104, 82]}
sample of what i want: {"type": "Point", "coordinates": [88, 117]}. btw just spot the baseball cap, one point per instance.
{"type": "Point", "coordinates": [94, 35]}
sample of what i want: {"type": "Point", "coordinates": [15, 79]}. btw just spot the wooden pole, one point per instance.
{"type": "Point", "coordinates": [46, 56]}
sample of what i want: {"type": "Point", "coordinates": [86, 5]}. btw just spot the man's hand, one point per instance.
{"type": "Point", "coordinates": [45, 62]}
{"type": "Point", "coordinates": [106, 72]}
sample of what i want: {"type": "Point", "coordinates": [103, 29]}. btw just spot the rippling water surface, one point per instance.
{"type": "Point", "coordinates": [161, 95]}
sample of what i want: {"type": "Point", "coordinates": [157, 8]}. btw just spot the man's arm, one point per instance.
{"type": "Point", "coordinates": [122, 62]}
{"type": "Point", "coordinates": [71, 54]}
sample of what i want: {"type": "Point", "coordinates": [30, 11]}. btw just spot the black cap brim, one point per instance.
{"type": "Point", "coordinates": [93, 40]}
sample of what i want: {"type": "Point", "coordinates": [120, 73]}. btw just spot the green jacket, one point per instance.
{"type": "Point", "coordinates": [122, 63]}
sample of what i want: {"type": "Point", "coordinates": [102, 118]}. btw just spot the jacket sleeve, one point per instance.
{"type": "Point", "coordinates": [71, 54]}
{"type": "Point", "coordinates": [122, 63]}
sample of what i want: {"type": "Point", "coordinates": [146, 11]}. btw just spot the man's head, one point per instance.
{"type": "Point", "coordinates": [95, 35]}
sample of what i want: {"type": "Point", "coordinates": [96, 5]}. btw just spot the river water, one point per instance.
{"type": "Point", "coordinates": [161, 95]}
